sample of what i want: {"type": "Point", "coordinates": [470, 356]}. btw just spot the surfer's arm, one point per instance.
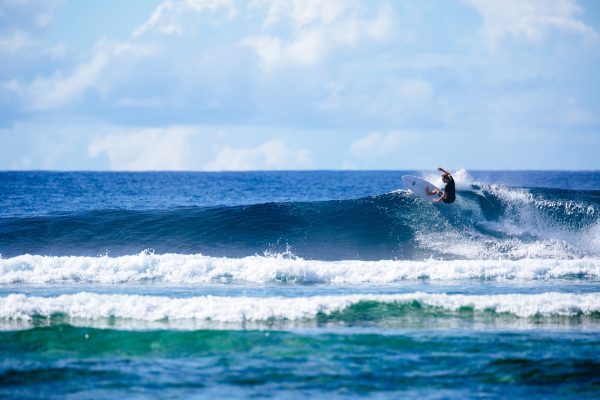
{"type": "Point", "coordinates": [442, 197]}
{"type": "Point", "coordinates": [443, 170]}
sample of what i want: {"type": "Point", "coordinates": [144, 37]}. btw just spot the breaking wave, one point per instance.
{"type": "Point", "coordinates": [486, 222]}
{"type": "Point", "coordinates": [284, 268]}
{"type": "Point", "coordinates": [92, 306]}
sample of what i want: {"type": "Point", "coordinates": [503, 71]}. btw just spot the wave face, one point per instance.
{"type": "Point", "coordinates": [486, 222]}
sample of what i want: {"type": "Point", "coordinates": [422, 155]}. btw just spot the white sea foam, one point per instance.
{"type": "Point", "coordinates": [93, 306]}
{"type": "Point", "coordinates": [197, 268]}
{"type": "Point", "coordinates": [474, 246]}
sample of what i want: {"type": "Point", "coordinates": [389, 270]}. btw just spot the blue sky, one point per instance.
{"type": "Point", "coordinates": [299, 84]}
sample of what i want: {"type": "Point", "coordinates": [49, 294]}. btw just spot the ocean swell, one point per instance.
{"type": "Point", "coordinates": [486, 222]}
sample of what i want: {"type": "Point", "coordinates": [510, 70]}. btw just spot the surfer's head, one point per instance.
{"type": "Point", "coordinates": [445, 178]}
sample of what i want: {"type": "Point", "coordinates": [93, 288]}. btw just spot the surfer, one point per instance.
{"type": "Point", "coordinates": [449, 194]}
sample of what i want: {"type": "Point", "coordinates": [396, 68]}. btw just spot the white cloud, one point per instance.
{"type": "Point", "coordinates": [273, 154]}
{"type": "Point", "coordinates": [318, 28]}
{"type": "Point", "coordinates": [62, 88]}
{"type": "Point", "coordinates": [211, 5]}
{"type": "Point", "coordinates": [530, 19]}
{"type": "Point", "coordinates": [15, 41]}
{"type": "Point", "coordinates": [379, 144]}
{"type": "Point", "coordinates": [166, 18]}
{"type": "Point", "coordinates": [59, 89]}
{"type": "Point", "coordinates": [337, 65]}
{"type": "Point", "coordinates": [274, 52]}
{"type": "Point", "coordinates": [66, 85]}
{"type": "Point", "coordinates": [162, 20]}
{"type": "Point", "coordinates": [147, 150]}
{"type": "Point", "coordinates": [301, 12]}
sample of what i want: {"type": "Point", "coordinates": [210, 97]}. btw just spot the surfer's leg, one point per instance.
{"type": "Point", "coordinates": [431, 192]}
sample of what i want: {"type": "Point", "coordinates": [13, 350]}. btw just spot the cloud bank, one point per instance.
{"type": "Point", "coordinates": [299, 84]}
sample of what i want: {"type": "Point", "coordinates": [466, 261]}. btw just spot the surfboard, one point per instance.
{"type": "Point", "coordinates": [419, 186]}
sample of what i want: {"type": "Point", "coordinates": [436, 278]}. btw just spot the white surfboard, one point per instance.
{"type": "Point", "coordinates": [419, 186]}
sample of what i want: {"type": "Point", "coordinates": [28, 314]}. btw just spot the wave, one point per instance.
{"type": "Point", "coordinates": [282, 268]}
{"type": "Point", "coordinates": [354, 309]}
{"type": "Point", "coordinates": [486, 222]}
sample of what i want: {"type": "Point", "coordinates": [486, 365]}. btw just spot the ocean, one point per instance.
{"type": "Point", "coordinates": [322, 284]}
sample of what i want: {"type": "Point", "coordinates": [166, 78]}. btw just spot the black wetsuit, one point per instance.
{"type": "Point", "coordinates": [449, 191]}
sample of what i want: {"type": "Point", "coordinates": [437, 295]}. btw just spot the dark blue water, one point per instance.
{"type": "Point", "coordinates": [40, 193]}
{"type": "Point", "coordinates": [296, 284]}
{"type": "Point", "coordinates": [320, 215]}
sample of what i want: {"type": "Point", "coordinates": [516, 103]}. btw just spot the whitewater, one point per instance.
{"type": "Point", "coordinates": [238, 309]}
{"type": "Point", "coordinates": [198, 269]}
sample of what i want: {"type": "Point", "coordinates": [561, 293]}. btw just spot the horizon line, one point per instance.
{"type": "Point", "coordinates": [288, 170]}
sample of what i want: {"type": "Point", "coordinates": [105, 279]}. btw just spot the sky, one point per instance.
{"type": "Point", "coordinates": [299, 84]}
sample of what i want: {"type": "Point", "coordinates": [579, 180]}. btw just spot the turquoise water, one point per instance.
{"type": "Point", "coordinates": [63, 360]}
{"type": "Point", "coordinates": [298, 284]}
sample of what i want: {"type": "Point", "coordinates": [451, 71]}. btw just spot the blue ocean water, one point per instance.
{"type": "Point", "coordinates": [297, 284]}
